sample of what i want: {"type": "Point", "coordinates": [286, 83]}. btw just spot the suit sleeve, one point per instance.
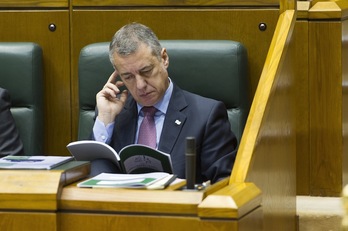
{"type": "Point", "coordinates": [10, 143]}
{"type": "Point", "coordinates": [219, 146]}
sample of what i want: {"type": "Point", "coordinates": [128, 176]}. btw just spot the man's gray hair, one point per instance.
{"type": "Point", "coordinates": [127, 40]}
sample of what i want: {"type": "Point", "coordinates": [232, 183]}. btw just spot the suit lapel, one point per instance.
{"type": "Point", "coordinates": [174, 120]}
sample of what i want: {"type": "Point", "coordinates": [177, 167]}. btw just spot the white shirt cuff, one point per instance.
{"type": "Point", "coordinates": [101, 132]}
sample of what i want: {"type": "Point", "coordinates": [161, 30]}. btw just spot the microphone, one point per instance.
{"type": "Point", "coordinates": [190, 156]}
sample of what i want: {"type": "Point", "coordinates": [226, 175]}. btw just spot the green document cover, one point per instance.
{"type": "Point", "coordinates": [111, 180]}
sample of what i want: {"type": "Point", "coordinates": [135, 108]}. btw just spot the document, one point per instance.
{"type": "Point", "coordinates": [33, 162]}
{"type": "Point", "coordinates": [160, 180]}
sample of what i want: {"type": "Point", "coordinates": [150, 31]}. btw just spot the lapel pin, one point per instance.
{"type": "Point", "coordinates": [177, 122]}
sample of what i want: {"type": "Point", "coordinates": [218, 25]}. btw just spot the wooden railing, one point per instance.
{"type": "Point", "coordinates": [267, 153]}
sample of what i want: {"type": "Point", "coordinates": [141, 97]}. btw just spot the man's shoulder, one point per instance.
{"type": "Point", "coordinates": [3, 91]}
{"type": "Point", "coordinates": [4, 95]}
{"type": "Point", "coordinates": [196, 97]}
{"type": "Point", "coordinates": [183, 98]}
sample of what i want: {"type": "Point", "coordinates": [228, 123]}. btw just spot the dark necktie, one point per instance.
{"type": "Point", "coordinates": [147, 130]}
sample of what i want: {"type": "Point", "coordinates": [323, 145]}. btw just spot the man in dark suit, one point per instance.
{"type": "Point", "coordinates": [10, 143]}
{"type": "Point", "coordinates": [142, 63]}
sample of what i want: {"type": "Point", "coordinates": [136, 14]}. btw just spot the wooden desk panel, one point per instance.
{"type": "Point", "coordinates": [32, 190]}
{"type": "Point", "coordinates": [89, 222]}
{"type": "Point", "coordinates": [28, 221]}
{"type": "Point", "coordinates": [38, 190]}
{"type": "Point", "coordinates": [34, 3]}
{"type": "Point", "coordinates": [125, 200]}
{"type": "Point", "coordinates": [97, 221]}
{"type": "Point", "coordinates": [302, 108]}
{"type": "Point", "coordinates": [325, 100]}
{"type": "Point", "coordinates": [183, 3]}
{"type": "Point", "coordinates": [323, 171]}
{"type": "Point", "coordinates": [345, 102]}
{"type": "Point", "coordinates": [228, 207]}
{"type": "Point", "coordinates": [75, 220]}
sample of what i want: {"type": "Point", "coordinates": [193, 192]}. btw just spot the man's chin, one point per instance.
{"type": "Point", "coordinates": [146, 103]}
{"type": "Point", "coordinates": [147, 100]}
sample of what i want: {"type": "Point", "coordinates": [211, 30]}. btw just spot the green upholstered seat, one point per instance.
{"type": "Point", "coordinates": [213, 68]}
{"type": "Point", "coordinates": [21, 74]}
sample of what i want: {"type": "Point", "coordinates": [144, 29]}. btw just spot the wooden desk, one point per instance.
{"type": "Point", "coordinates": [28, 198]}
{"type": "Point", "coordinates": [39, 200]}
{"type": "Point", "coordinates": [219, 207]}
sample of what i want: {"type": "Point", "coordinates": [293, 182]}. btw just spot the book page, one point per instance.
{"type": "Point", "coordinates": [139, 158]}
{"type": "Point", "coordinates": [133, 163]}
{"type": "Point", "coordinates": [88, 150]}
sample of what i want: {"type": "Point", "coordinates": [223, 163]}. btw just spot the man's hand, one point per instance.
{"type": "Point", "coordinates": [110, 100]}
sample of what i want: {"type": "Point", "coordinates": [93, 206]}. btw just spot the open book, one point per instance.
{"type": "Point", "coordinates": [134, 158]}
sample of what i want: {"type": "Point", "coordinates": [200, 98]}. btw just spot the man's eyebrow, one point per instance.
{"type": "Point", "coordinates": [146, 67]}
{"type": "Point", "coordinates": [125, 73]}
{"type": "Point", "coordinates": [141, 70]}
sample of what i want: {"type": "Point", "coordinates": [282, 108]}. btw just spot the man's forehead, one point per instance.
{"type": "Point", "coordinates": [134, 67]}
{"type": "Point", "coordinates": [138, 60]}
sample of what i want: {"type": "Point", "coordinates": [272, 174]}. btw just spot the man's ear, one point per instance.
{"type": "Point", "coordinates": [165, 57]}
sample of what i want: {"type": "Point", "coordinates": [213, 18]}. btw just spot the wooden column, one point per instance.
{"type": "Point", "coordinates": [322, 165]}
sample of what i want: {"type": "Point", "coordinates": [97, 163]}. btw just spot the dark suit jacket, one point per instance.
{"type": "Point", "coordinates": [202, 118]}
{"type": "Point", "coordinates": [10, 143]}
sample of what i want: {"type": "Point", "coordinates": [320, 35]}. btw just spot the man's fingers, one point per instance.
{"type": "Point", "coordinates": [119, 84]}
{"type": "Point", "coordinates": [110, 92]}
{"type": "Point", "coordinates": [112, 78]}
{"type": "Point", "coordinates": [123, 96]}
{"type": "Point", "coordinates": [113, 84]}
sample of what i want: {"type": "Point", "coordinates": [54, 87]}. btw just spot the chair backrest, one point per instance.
{"type": "Point", "coordinates": [21, 74]}
{"type": "Point", "coordinates": [212, 68]}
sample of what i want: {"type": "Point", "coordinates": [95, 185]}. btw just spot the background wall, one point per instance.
{"type": "Point", "coordinates": [33, 25]}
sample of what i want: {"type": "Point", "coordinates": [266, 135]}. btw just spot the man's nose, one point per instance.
{"type": "Point", "coordinates": [140, 82]}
